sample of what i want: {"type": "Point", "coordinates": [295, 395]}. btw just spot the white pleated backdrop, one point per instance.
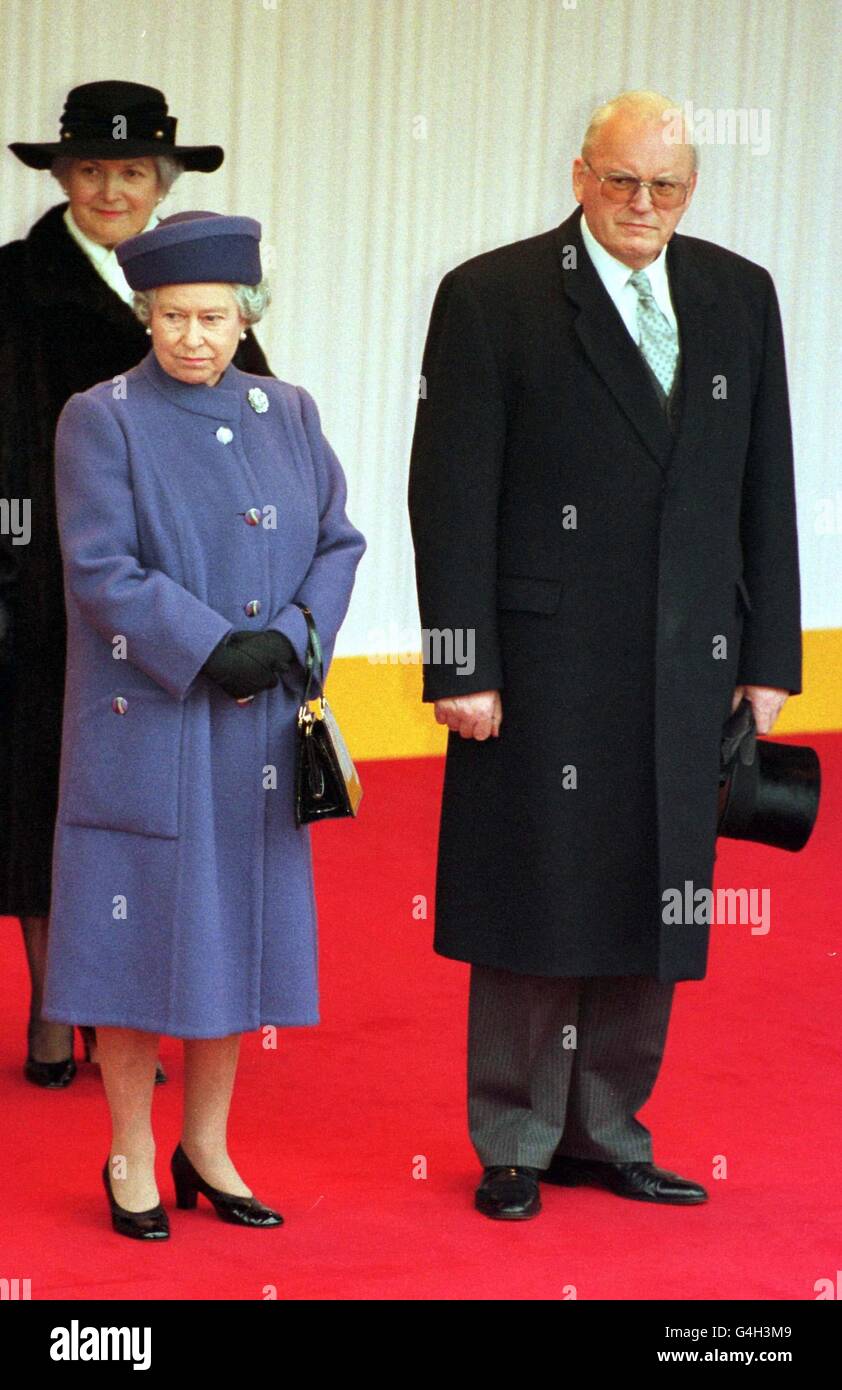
{"type": "Point", "coordinates": [382, 141]}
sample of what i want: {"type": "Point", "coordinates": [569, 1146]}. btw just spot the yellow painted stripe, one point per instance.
{"type": "Point", "coordinates": [378, 704]}
{"type": "Point", "coordinates": [819, 708]}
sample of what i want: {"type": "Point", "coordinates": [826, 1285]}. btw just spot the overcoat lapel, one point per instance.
{"type": "Point", "coordinates": [609, 346]}
{"type": "Point", "coordinates": [700, 337]}
{"type": "Point", "coordinates": [614, 355]}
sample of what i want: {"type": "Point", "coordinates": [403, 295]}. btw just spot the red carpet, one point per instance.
{"type": "Point", "coordinates": [330, 1125]}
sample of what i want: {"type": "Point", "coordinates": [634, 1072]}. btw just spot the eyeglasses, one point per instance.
{"type": "Point", "coordinates": [622, 188]}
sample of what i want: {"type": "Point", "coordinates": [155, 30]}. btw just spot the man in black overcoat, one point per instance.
{"type": "Point", "coordinates": [602, 505]}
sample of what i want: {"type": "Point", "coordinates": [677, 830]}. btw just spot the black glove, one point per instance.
{"type": "Point", "coordinates": [244, 663]}
{"type": "Point", "coordinates": [271, 647]}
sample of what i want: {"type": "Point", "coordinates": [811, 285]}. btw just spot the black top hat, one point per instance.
{"type": "Point", "coordinates": [768, 792]}
{"type": "Point", "coordinates": [118, 120]}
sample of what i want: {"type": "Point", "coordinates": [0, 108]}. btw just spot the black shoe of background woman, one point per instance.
{"type": "Point", "coordinates": [55, 1076]}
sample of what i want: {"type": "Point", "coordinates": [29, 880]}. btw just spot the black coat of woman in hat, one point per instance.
{"type": "Point", "coordinates": [66, 323]}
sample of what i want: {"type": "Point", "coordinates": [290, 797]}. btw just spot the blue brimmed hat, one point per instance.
{"type": "Point", "coordinates": [191, 248]}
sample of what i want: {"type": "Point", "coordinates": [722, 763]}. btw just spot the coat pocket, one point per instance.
{"type": "Point", "coordinates": [532, 595]}
{"type": "Point", "coordinates": [123, 770]}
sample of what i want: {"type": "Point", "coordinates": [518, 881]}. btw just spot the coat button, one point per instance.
{"type": "Point", "coordinates": [224, 435]}
{"type": "Point", "coordinates": [252, 608]}
{"type": "Point", "coordinates": [252, 517]}
{"type": "Point", "coordinates": [119, 704]}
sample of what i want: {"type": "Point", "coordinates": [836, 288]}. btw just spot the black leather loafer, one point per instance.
{"type": "Point", "coordinates": [509, 1194]}
{"type": "Point", "coordinates": [642, 1182]}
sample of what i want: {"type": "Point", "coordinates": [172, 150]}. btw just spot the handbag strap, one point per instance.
{"type": "Point", "coordinates": [314, 661]}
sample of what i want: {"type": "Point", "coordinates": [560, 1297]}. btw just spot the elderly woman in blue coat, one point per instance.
{"type": "Point", "coordinates": [198, 507]}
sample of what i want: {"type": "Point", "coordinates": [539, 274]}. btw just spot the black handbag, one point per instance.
{"type": "Point", "coordinates": [326, 782]}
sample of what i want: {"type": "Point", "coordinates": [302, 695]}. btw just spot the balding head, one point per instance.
{"type": "Point", "coordinates": [642, 135]}
{"type": "Point", "coordinates": [642, 106]}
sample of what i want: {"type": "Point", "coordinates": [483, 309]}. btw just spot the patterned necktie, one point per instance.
{"type": "Point", "coordinates": [658, 339]}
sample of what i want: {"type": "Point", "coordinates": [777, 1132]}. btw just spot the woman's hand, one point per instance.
{"type": "Point", "coordinates": [245, 663]}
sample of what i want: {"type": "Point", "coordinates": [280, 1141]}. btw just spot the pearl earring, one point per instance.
{"type": "Point", "coordinates": [242, 337]}
{"type": "Point", "coordinates": [149, 331]}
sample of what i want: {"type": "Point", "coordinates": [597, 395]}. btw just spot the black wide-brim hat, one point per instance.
{"type": "Point", "coordinates": [769, 792]}
{"type": "Point", "coordinates": [118, 120]}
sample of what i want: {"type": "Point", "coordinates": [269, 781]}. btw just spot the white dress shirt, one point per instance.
{"type": "Point", "coordinates": [615, 277]}
{"type": "Point", "coordinates": [102, 258]}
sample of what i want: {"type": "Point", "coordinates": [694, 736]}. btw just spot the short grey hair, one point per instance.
{"type": "Point", "coordinates": [643, 103]}
{"type": "Point", "coordinates": [252, 301]}
{"type": "Point", "coordinates": [167, 168]}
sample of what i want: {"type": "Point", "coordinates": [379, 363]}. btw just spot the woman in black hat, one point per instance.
{"type": "Point", "coordinates": [66, 323]}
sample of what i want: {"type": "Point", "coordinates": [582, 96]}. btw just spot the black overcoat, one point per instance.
{"type": "Point", "coordinates": [619, 578]}
{"type": "Point", "coordinates": [62, 329]}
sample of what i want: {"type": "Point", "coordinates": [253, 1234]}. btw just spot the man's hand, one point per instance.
{"type": "Point", "coordinates": [766, 703]}
{"type": "Point", "coordinates": [472, 716]}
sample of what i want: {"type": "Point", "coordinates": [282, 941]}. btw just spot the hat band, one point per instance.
{"type": "Point", "coordinates": [119, 128]}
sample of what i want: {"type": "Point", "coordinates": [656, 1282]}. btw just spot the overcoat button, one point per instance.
{"type": "Point", "coordinates": [119, 704]}
{"type": "Point", "coordinates": [252, 517]}
{"type": "Point", "coordinates": [252, 608]}
{"type": "Point", "coordinates": [224, 435]}
{"type": "Point", "coordinates": [246, 700]}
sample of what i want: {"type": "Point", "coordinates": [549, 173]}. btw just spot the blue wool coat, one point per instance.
{"type": "Point", "coordinates": [182, 888]}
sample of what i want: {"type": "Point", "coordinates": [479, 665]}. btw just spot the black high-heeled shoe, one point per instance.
{"type": "Point", "coordinates": [152, 1224]}
{"type": "Point", "coordinates": [240, 1211]}
{"type": "Point", "coordinates": [88, 1036]}
{"type": "Point", "coordinates": [52, 1075]}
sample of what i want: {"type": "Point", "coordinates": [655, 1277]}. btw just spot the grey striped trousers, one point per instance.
{"type": "Point", "coordinates": [562, 1064]}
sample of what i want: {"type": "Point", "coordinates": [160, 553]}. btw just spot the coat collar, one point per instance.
{"type": "Point", "coordinates": [221, 402]}
{"type": "Point", "coordinates": [615, 357]}
{"type": "Point", "coordinates": [60, 273]}
{"type": "Point", "coordinates": [104, 258]}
